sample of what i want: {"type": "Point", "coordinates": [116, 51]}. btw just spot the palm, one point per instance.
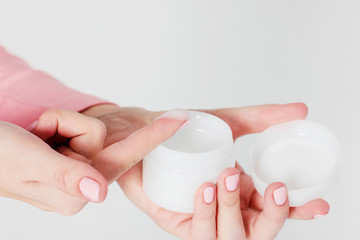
{"type": "Point", "coordinates": [180, 223]}
{"type": "Point", "coordinates": [121, 122]}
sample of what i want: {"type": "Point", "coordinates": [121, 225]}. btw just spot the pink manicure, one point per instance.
{"type": "Point", "coordinates": [209, 194]}
{"type": "Point", "coordinates": [280, 195]}
{"type": "Point", "coordinates": [90, 189]}
{"type": "Point", "coordinates": [32, 126]}
{"type": "Point", "coordinates": [232, 182]}
{"type": "Point", "coordinates": [177, 114]}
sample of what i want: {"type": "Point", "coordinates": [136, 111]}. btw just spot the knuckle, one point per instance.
{"type": "Point", "coordinates": [207, 215]}
{"type": "Point", "coordinates": [97, 126]}
{"type": "Point", "coordinates": [59, 178]}
{"type": "Point", "coordinates": [51, 115]}
{"type": "Point", "coordinates": [230, 202]}
{"type": "Point", "coordinates": [100, 125]}
{"type": "Point", "coordinates": [96, 134]}
{"type": "Point", "coordinates": [51, 112]}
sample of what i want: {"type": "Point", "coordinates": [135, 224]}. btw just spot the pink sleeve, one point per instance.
{"type": "Point", "coordinates": [26, 93]}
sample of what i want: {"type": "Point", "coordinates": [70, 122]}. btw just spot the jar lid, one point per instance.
{"type": "Point", "coordinates": [301, 154]}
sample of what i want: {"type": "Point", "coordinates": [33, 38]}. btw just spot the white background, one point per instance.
{"type": "Point", "coordinates": [164, 54]}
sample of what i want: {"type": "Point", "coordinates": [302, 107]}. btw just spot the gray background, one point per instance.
{"type": "Point", "coordinates": [163, 54]}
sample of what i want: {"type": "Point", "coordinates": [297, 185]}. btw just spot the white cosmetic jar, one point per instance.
{"type": "Point", "coordinates": [302, 154]}
{"type": "Point", "coordinates": [195, 154]}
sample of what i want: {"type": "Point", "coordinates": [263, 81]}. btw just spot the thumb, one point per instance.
{"type": "Point", "coordinates": [70, 176]}
{"type": "Point", "coordinates": [275, 212]}
{"type": "Point", "coordinates": [120, 156]}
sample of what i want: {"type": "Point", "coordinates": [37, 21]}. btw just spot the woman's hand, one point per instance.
{"type": "Point", "coordinates": [33, 172]}
{"type": "Point", "coordinates": [227, 211]}
{"type": "Point", "coordinates": [58, 169]}
{"type": "Point", "coordinates": [256, 212]}
{"type": "Point", "coordinates": [56, 166]}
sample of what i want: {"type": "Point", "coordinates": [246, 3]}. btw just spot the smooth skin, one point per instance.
{"type": "Point", "coordinates": [35, 173]}
{"type": "Point", "coordinates": [237, 214]}
{"type": "Point", "coordinates": [50, 167]}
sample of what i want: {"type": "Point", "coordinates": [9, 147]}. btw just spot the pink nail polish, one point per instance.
{"type": "Point", "coordinates": [90, 189]}
{"type": "Point", "coordinates": [280, 196]}
{"type": "Point", "coordinates": [32, 126]}
{"type": "Point", "coordinates": [318, 215]}
{"type": "Point", "coordinates": [209, 194]}
{"type": "Point", "coordinates": [232, 182]}
{"type": "Point", "coordinates": [177, 114]}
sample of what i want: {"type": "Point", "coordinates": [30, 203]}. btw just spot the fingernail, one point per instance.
{"type": "Point", "coordinates": [32, 126]}
{"type": "Point", "coordinates": [280, 195]}
{"type": "Point", "coordinates": [177, 114]}
{"type": "Point", "coordinates": [209, 194]}
{"type": "Point", "coordinates": [232, 182]}
{"type": "Point", "coordinates": [318, 215]}
{"type": "Point", "coordinates": [90, 189]}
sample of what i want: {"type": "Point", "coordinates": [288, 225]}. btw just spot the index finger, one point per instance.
{"type": "Point", "coordinates": [120, 156]}
{"type": "Point", "coordinates": [86, 134]}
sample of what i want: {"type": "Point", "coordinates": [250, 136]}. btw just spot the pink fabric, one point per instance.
{"type": "Point", "coordinates": [26, 93]}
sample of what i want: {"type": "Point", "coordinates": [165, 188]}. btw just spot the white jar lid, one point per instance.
{"type": "Point", "coordinates": [302, 154]}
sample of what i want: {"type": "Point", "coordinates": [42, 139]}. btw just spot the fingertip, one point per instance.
{"type": "Point", "coordinates": [299, 109]}
{"type": "Point", "coordinates": [205, 193]}
{"type": "Point", "coordinates": [280, 195]}
{"type": "Point", "coordinates": [275, 211]}
{"type": "Point", "coordinates": [179, 118]}
{"type": "Point", "coordinates": [78, 179]}
{"type": "Point", "coordinates": [177, 114]}
{"type": "Point", "coordinates": [311, 210]}
{"type": "Point", "coordinates": [228, 182]}
{"type": "Point", "coordinates": [302, 108]}
{"type": "Point", "coordinates": [228, 172]}
{"type": "Point", "coordinates": [229, 215]}
{"type": "Point", "coordinates": [276, 194]}
{"type": "Point", "coordinates": [323, 207]}
{"type": "Point", "coordinates": [103, 188]}
{"type": "Point", "coordinates": [209, 194]}
{"type": "Point", "coordinates": [203, 224]}
{"type": "Point", "coordinates": [88, 139]}
{"type": "Point", "coordinates": [205, 200]}
{"type": "Point", "coordinates": [94, 190]}
{"type": "Point", "coordinates": [32, 126]}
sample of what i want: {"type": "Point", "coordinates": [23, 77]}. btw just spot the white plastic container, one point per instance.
{"type": "Point", "coordinates": [302, 154]}
{"type": "Point", "coordinates": [197, 153]}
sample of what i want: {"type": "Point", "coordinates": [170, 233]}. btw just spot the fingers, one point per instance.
{"type": "Point", "coordinates": [254, 119]}
{"type": "Point", "coordinates": [86, 134]}
{"type": "Point", "coordinates": [120, 156]}
{"type": "Point", "coordinates": [36, 162]}
{"type": "Point", "coordinates": [276, 210]}
{"type": "Point", "coordinates": [204, 220]}
{"type": "Point", "coordinates": [229, 217]}
{"type": "Point", "coordinates": [310, 210]}
{"type": "Point", "coordinates": [48, 198]}
{"type": "Point", "coordinates": [68, 152]}
{"type": "Point", "coordinates": [313, 209]}
{"type": "Point", "coordinates": [67, 175]}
